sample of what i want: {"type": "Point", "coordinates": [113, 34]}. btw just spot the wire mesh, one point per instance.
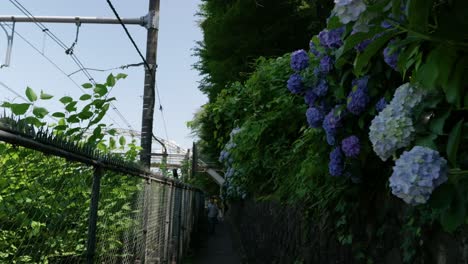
{"type": "Point", "coordinates": [45, 213]}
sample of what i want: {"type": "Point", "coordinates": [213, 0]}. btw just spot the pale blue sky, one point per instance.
{"type": "Point", "coordinates": [106, 46]}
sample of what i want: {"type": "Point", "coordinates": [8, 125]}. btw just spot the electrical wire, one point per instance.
{"type": "Point", "coordinates": [72, 55]}
{"type": "Point", "coordinates": [123, 67]}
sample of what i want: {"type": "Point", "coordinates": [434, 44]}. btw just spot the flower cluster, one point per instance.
{"type": "Point", "coordinates": [349, 10]}
{"type": "Point", "coordinates": [391, 54]}
{"type": "Point", "coordinates": [417, 173]}
{"type": "Point", "coordinates": [357, 101]}
{"type": "Point", "coordinates": [381, 104]}
{"type": "Point", "coordinates": [314, 117]}
{"type": "Point", "coordinates": [295, 85]}
{"type": "Point", "coordinates": [326, 64]}
{"type": "Point", "coordinates": [299, 60]}
{"type": "Point", "coordinates": [332, 122]}
{"type": "Point", "coordinates": [321, 88]}
{"type": "Point", "coordinates": [351, 146]}
{"type": "Point", "coordinates": [392, 128]}
{"type": "Point", "coordinates": [331, 39]}
{"type": "Point", "coordinates": [336, 164]}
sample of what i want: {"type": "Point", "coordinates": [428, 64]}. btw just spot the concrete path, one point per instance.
{"type": "Point", "coordinates": [217, 248]}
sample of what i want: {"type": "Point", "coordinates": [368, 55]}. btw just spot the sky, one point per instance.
{"type": "Point", "coordinates": [105, 47]}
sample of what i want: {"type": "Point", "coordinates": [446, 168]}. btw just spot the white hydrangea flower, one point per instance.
{"type": "Point", "coordinates": [349, 10]}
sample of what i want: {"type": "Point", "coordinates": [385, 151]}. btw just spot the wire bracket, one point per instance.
{"type": "Point", "coordinates": [151, 20]}
{"type": "Point", "coordinates": [9, 48]}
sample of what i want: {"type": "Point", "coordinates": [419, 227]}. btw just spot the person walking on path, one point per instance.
{"type": "Point", "coordinates": [212, 215]}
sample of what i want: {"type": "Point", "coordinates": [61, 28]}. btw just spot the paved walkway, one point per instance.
{"type": "Point", "coordinates": [217, 249]}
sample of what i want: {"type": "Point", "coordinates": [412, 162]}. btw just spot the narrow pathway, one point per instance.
{"type": "Point", "coordinates": [218, 248]}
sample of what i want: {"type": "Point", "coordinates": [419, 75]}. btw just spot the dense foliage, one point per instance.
{"type": "Point", "coordinates": [377, 105]}
{"type": "Point", "coordinates": [45, 200]}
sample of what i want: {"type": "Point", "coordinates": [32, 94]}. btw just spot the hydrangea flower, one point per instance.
{"type": "Point", "coordinates": [362, 45]}
{"type": "Point", "coordinates": [349, 10]}
{"type": "Point", "coordinates": [229, 173]}
{"type": "Point", "coordinates": [389, 131]}
{"type": "Point", "coordinates": [331, 123]}
{"type": "Point", "coordinates": [361, 83]}
{"type": "Point", "coordinates": [326, 64]}
{"type": "Point", "coordinates": [321, 88]}
{"type": "Point", "coordinates": [310, 97]}
{"type": "Point", "coordinates": [314, 117]}
{"type": "Point", "coordinates": [407, 97]}
{"type": "Point", "coordinates": [357, 101]}
{"type": "Point", "coordinates": [224, 155]}
{"type": "Point", "coordinates": [295, 83]}
{"type": "Point", "coordinates": [417, 173]}
{"type": "Point", "coordinates": [299, 60]}
{"type": "Point", "coordinates": [336, 164]}
{"type": "Point", "coordinates": [381, 104]}
{"type": "Point", "coordinates": [391, 55]}
{"type": "Point", "coordinates": [351, 146]}
{"type": "Point", "coordinates": [331, 38]}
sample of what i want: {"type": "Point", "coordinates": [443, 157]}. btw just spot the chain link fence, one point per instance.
{"type": "Point", "coordinates": [56, 207]}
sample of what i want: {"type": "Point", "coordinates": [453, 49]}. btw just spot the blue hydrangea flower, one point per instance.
{"type": "Point", "coordinates": [357, 101]}
{"type": "Point", "coordinates": [351, 146]}
{"type": "Point", "coordinates": [314, 117]}
{"type": "Point", "coordinates": [295, 85]}
{"type": "Point", "coordinates": [321, 88]}
{"type": "Point", "coordinates": [348, 10]}
{"type": "Point", "coordinates": [361, 83]}
{"type": "Point", "coordinates": [299, 60]}
{"type": "Point", "coordinates": [313, 49]}
{"type": "Point", "coordinates": [223, 156]}
{"type": "Point", "coordinates": [310, 97]}
{"type": "Point", "coordinates": [229, 173]}
{"type": "Point", "coordinates": [336, 164]}
{"type": "Point", "coordinates": [331, 123]}
{"type": "Point", "coordinates": [390, 130]}
{"type": "Point", "coordinates": [362, 45]}
{"type": "Point", "coordinates": [326, 64]}
{"type": "Point", "coordinates": [381, 104]}
{"type": "Point", "coordinates": [417, 173]}
{"type": "Point", "coordinates": [391, 55]}
{"type": "Point", "coordinates": [331, 38]}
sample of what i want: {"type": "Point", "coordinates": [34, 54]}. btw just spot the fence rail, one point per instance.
{"type": "Point", "coordinates": [62, 202]}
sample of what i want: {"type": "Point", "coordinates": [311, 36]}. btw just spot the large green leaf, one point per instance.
{"type": "Point", "coordinates": [58, 114]}
{"type": "Point", "coordinates": [66, 99]}
{"type": "Point", "coordinates": [122, 141]}
{"type": "Point", "coordinates": [19, 109]}
{"type": "Point", "coordinates": [453, 86]}
{"type": "Point", "coordinates": [437, 124]}
{"type": "Point", "coordinates": [71, 107]}
{"type": "Point", "coordinates": [454, 142]}
{"type": "Point", "coordinates": [45, 96]}
{"type": "Point", "coordinates": [454, 216]}
{"type": "Point", "coordinates": [32, 96]}
{"type": "Point", "coordinates": [100, 89]}
{"type": "Point", "coordinates": [418, 14]}
{"type": "Point", "coordinates": [85, 97]}
{"type": "Point", "coordinates": [442, 196]}
{"type": "Point", "coordinates": [110, 80]}
{"type": "Point", "coordinates": [40, 112]}
{"type": "Point", "coordinates": [363, 59]}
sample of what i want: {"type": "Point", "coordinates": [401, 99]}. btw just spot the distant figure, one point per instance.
{"type": "Point", "coordinates": [212, 215]}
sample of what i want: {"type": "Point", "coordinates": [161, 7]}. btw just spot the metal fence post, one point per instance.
{"type": "Point", "coordinates": [146, 205]}
{"type": "Point", "coordinates": [93, 214]}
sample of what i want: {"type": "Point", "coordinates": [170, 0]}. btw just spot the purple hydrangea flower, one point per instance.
{"type": "Point", "coordinates": [299, 60]}
{"type": "Point", "coordinates": [314, 117]}
{"type": "Point", "coordinates": [391, 55]}
{"type": "Point", "coordinates": [331, 38]}
{"type": "Point", "coordinates": [331, 123]}
{"type": "Point", "coordinates": [357, 101]}
{"type": "Point", "coordinates": [310, 97]}
{"type": "Point", "coordinates": [381, 104]}
{"type": "Point", "coordinates": [321, 89]}
{"type": "Point", "coordinates": [326, 64]}
{"type": "Point", "coordinates": [336, 164]}
{"type": "Point", "coordinates": [351, 146]}
{"type": "Point", "coordinates": [313, 49]}
{"type": "Point", "coordinates": [417, 173]}
{"type": "Point", "coordinates": [295, 85]}
{"type": "Point", "coordinates": [361, 83]}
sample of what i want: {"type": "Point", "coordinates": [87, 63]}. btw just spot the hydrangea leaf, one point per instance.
{"type": "Point", "coordinates": [418, 14]}
{"type": "Point", "coordinates": [453, 88]}
{"type": "Point", "coordinates": [454, 142]}
{"type": "Point", "coordinates": [363, 59]}
{"type": "Point", "coordinates": [454, 216]}
{"type": "Point", "coordinates": [437, 124]}
{"type": "Point", "coordinates": [442, 196]}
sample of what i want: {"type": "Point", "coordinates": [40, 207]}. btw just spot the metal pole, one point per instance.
{"type": "Point", "coordinates": [194, 160]}
{"type": "Point", "coordinates": [149, 89]}
{"type": "Point", "coordinates": [93, 214]}
{"type": "Point", "coordinates": [142, 21]}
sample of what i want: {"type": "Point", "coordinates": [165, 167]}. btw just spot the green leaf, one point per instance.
{"type": "Point", "coordinates": [85, 115]}
{"type": "Point", "coordinates": [66, 99]}
{"type": "Point", "coordinates": [112, 143]}
{"type": "Point", "coordinates": [454, 142]}
{"type": "Point", "coordinates": [87, 85]}
{"type": "Point", "coordinates": [45, 96]}
{"type": "Point", "coordinates": [85, 97]}
{"type": "Point", "coordinates": [453, 87]}
{"type": "Point", "coordinates": [71, 107]}
{"type": "Point", "coordinates": [100, 89]}
{"type": "Point", "coordinates": [351, 41]}
{"type": "Point", "coordinates": [427, 141]}
{"type": "Point", "coordinates": [60, 127]}
{"type": "Point", "coordinates": [442, 196]}
{"type": "Point", "coordinates": [58, 114]}
{"type": "Point", "coordinates": [112, 132]}
{"type": "Point", "coordinates": [334, 22]}
{"type": "Point", "coordinates": [110, 82]}
{"type": "Point", "coordinates": [19, 109]}
{"type": "Point", "coordinates": [32, 96]}
{"type": "Point", "coordinates": [73, 119]}
{"type": "Point", "coordinates": [363, 59]}
{"type": "Point", "coordinates": [40, 112]}
{"type": "Point", "coordinates": [454, 216]}
{"type": "Point", "coordinates": [418, 14]}
{"type": "Point", "coordinates": [33, 121]}
{"type": "Point", "coordinates": [121, 76]}
{"type": "Point", "coordinates": [122, 141]}
{"type": "Point", "coordinates": [437, 124]}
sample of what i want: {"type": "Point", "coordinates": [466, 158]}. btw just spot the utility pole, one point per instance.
{"type": "Point", "coordinates": [150, 83]}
